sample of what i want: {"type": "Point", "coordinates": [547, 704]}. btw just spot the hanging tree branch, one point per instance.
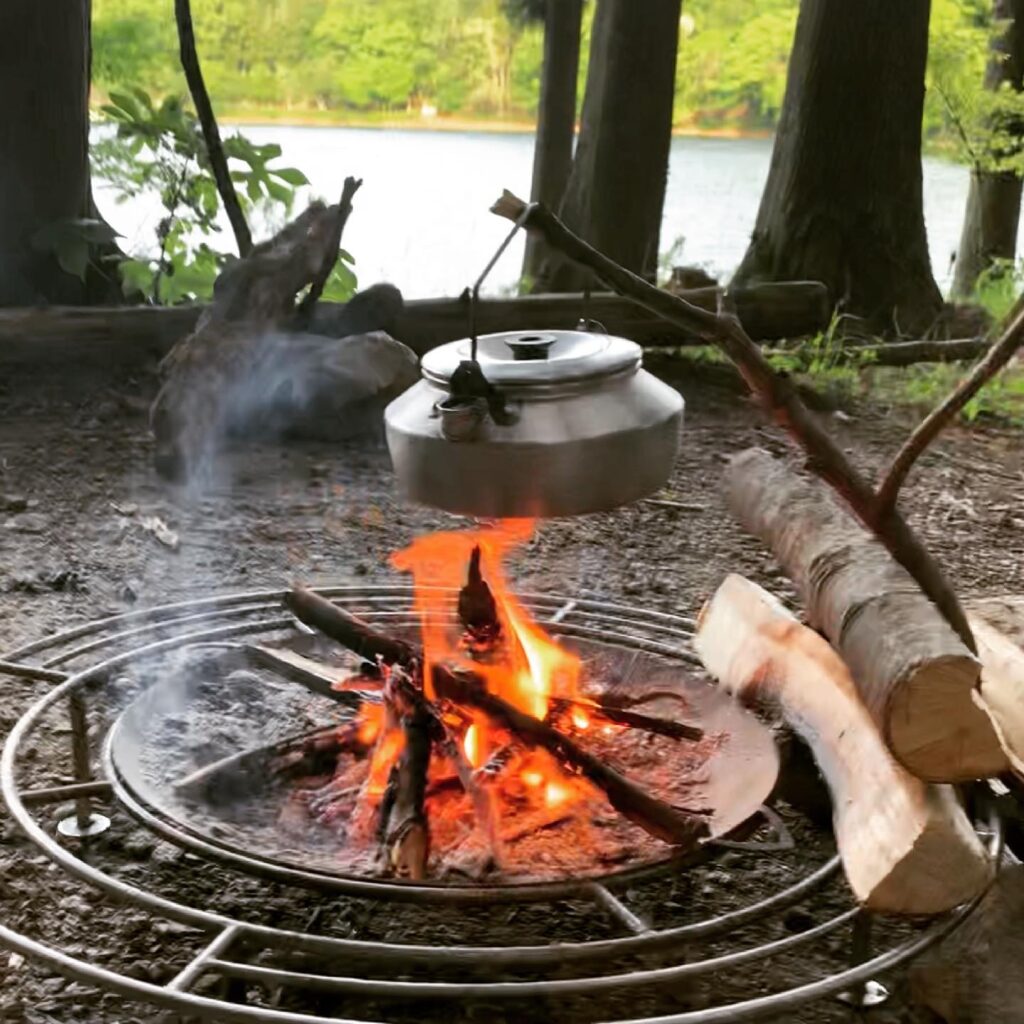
{"type": "Point", "coordinates": [211, 133]}
{"type": "Point", "coordinates": [775, 392]}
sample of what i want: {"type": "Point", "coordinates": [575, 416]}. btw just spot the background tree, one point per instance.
{"type": "Point", "coordinates": [50, 238]}
{"type": "Point", "coordinates": [556, 109]}
{"type": "Point", "coordinates": [843, 200]}
{"type": "Point", "coordinates": [616, 188]}
{"type": "Point", "coordinates": [993, 202]}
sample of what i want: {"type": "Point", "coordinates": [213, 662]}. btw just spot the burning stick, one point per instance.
{"type": "Point", "coordinates": [403, 821]}
{"type": "Point", "coordinates": [478, 611]}
{"type": "Point", "coordinates": [635, 720]}
{"type": "Point", "coordinates": [350, 632]}
{"type": "Point", "coordinates": [363, 639]}
{"type": "Point", "coordinates": [670, 824]}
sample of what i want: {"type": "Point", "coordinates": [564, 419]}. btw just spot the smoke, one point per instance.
{"type": "Point", "coordinates": [272, 386]}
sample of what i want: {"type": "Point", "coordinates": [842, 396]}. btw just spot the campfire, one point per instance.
{"type": "Point", "coordinates": [474, 750]}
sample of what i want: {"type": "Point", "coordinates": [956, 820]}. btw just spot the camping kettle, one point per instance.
{"type": "Point", "coordinates": [525, 424]}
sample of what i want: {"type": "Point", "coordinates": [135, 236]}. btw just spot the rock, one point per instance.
{"type": "Point", "coordinates": [29, 522]}
{"type": "Point", "coordinates": [139, 844]}
{"type": "Point", "coordinates": [74, 904]}
{"type": "Point", "coordinates": [797, 921]}
{"type": "Point", "coordinates": [165, 854]}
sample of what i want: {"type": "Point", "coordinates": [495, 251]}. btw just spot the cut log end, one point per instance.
{"type": "Point", "coordinates": [919, 728]}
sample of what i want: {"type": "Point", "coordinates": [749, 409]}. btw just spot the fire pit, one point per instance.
{"type": "Point", "coordinates": [633, 948]}
{"type": "Point", "coordinates": [480, 743]}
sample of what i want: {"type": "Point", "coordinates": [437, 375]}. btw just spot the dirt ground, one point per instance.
{"type": "Point", "coordinates": [76, 495]}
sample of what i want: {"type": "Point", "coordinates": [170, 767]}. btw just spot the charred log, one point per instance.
{"type": "Point", "coordinates": [675, 825]}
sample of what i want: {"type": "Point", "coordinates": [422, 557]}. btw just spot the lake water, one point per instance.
{"type": "Point", "coordinates": [421, 219]}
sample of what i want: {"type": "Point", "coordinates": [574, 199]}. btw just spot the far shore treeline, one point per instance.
{"type": "Point", "coordinates": [475, 61]}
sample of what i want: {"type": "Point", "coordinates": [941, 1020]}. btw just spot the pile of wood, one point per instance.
{"type": "Point", "coordinates": [892, 704]}
{"type": "Point", "coordinates": [422, 716]}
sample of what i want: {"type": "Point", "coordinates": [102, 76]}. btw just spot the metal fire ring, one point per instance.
{"type": "Point", "coordinates": [94, 651]}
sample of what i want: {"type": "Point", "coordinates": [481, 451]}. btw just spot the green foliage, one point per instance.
{"type": "Point", "coordinates": [981, 126]}
{"type": "Point", "coordinates": [365, 59]}
{"type": "Point", "coordinates": [158, 149]}
{"type": "Point", "coordinates": [74, 242]}
{"type": "Point", "coordinates": [998, 287]}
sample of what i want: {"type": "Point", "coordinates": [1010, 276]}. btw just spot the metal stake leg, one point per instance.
{"type": "Point", "coordinates": [868, 993]}
{"type": "Point", "coordinates": [84, 823]}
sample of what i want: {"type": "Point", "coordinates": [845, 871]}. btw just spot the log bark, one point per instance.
{"type": "Point", "coordinates": [913, 673]}
{"type": "Point", "coordinates": [675, 825]}
{"type": "Point", "coordinates": [843, 201]}
{"type": "Point", "coordinates": [896, 353]}
{"type": "Point", "coordinates": [907, 847]}
{"type": "Point", "coordinates": [993, 200]}
{"type": "Point", "coordinates": [767, 312]}
{"type": "Point", "coordinates": [556, 117]}
{"type": "Point", "coordinates": [616, 191]}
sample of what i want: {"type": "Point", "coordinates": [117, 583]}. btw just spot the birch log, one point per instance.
{"type": "Point", "coordinates": [913, 673]}
{"type": "Point", "coordinates": [907, 846]}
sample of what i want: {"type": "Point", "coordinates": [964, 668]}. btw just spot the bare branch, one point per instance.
{"type": "Point", "coordinates": [211, 133]}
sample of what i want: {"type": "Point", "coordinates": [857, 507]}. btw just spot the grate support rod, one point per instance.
{"type": "Point", "coordinates": [205, 959]}
{"type": "Point", "coordinates": [22, 671]}
{"type": "Point", "coordinates": [608, 901]}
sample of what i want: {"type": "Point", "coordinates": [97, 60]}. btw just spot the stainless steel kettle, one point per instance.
{"type": "Point", "coordinates": [555, 423]}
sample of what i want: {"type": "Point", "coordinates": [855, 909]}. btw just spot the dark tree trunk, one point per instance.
{"type": "Point", "coordinates": [616, 189]}
{"type": "Point", "coordinates": [556, 117]}
{"type": "Point", "coordinates": [44, 143]}
{"type": "Point", "coordinates": [993, 203]}
{"type": "Point", "coordinates": [843, 201]}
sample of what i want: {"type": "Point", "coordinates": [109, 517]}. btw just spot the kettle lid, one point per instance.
{"type": "Point", "coordinates": [522, 358]}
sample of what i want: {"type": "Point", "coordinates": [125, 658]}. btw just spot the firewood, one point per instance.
{"type": "Point", "coordinates": [676, 825]}
{"type": "Point", "coordinates": [907, 847]}
{"type": "Point", "coordinates": [914, 675]}
{"type": "Point", "coordinates": [320, 678]}
{"type": "Point", "coordinates": [369, 643]}
{"type": "Point", "coordinates": [347, 630]}
{"type": "Point", "coordinates": [403, 819]}
{"type": "Point", "coordinates": [1001, 692]}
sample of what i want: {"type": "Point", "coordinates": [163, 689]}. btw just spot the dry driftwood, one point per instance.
{"type": "Point", "coordinates": [914, 675]}
{"type": "Point", "coordinates": [245, 364]}
{"type": "Point", "coordinates": [675, 825]}
{"type": "Point", "coordinates": [907, 847]}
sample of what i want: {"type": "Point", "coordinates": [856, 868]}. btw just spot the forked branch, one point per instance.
{"type": "Point", "coordinates": [775, 392]}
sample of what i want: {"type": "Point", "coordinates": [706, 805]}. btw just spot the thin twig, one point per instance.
{"type": "Point", "coordinates": [776, 393]}
{"type": "Point", "coordinates": [943, 414]}
{"type": "Point", "coordinates": [211, 133]}
{"type": "Point", "coordinates": [316, 288]}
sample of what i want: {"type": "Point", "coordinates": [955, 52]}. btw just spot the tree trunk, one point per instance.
{"type": "Point", "coordinates": [993, 203]}
{"type": "Point", "coordinates": [556, 117]}
{"type": "Point", "coordinates": [843, 201]}
{"type": "Point", "coordinates": [616, 189]}
{"type": "Point", "coordinates": [44, 144]}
